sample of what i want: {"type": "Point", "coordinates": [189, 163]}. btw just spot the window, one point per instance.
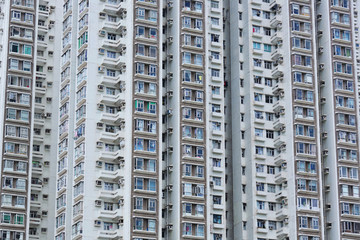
{"type": "Point", "coordinates": [257, 45]}
{"type": "Point", "coordinates": [267, 48]}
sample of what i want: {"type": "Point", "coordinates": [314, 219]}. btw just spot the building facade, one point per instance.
{"type": "Point", "coordinates": [189, 119]}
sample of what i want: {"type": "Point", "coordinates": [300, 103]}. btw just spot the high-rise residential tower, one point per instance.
{"type": "Point", "coordinates": [294, 119]}
{"type": "Point", "coordinates": [28, 80]}
{"type": "Point", "coordinates": [179, 119]}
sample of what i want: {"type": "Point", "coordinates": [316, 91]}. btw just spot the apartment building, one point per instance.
{"type": "Point", "coordinates": [293, 76]}
{"type": "Point", "coordinates": [27, 73]}
{"type": "Point", "coordinates": [190, 119]}
{"type": "Point", "coordinates": [194, 166]}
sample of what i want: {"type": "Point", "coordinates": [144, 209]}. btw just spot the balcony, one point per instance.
{"type": "Point", "coordinates": [118, 27]}
{"type": "Point", "coordinates": [278, 71]}
{"type": "Point", "coordinates": [217, 151]}
{"type": "Point", "coordinates": [113, 118]}
{"type": "Point", "coordinates": [112, 175]}
{"type": "Point", "coordinates": [282, 233]}
{"type": "Point", "coordinates": [114, 63]}
{"type": "Point", "coordinates": [118, 155]}
{"type": "Point", "coordinates": [282, 213]}
{"type": "Point", "coordinates": [111, 235]}
{"type": "Point", "coordinates": [35, 220]}
{"type": "Point", "coordinates": [115, 138]}
{"type": "Point", "coordinates": [115, 215]}
{"type": "Point", "coordinates": [112, 195]}
{"type": "Point", "coordinates": [115, 44]}
{"type": "Point", "coordinates": [279, 124]}
{"type": "Point", "coordinates": [279, 106]}
{"type": "Point", "coordinates": [116, 100]}
{"type": "Point", "coordinates": [114, 81]}
{"type": "Point", "coordinates": [276, 20]}
{"type": "Point", "coordinates": [281, 195]}
{"type": "Point", "coordinates": [281, 177]}
{"type": "Point", "coordinates": [279, 141]}
{"type": "Point", "coordinates": [277, 37]}
{"type": "Point", "coordinates": [277, 53]}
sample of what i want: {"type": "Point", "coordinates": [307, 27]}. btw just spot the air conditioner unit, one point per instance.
{"type": "Point", "coordinates": [321, 66]}
{"type": "Point", "coordinates": [328, 206]}
{"type": "Point", "coordinates": [319, 17]}
{"type": "Point", "coordinates": [102, 15]}
{"type": "Point", "coordinates": [170, 21]}
{"type": "Point", "coordinates": [327, 188]}
{"type": "Point", "coordinates": [323, 117]}
{"type": "Point", "coordinates": [326, 170]}
{"type": "Point", "coordinates": [99, 163]}
{"type": "Point", "coordinates": [99, 144]}
{"type": "Point", "coordinates": [47, 131]}
{"type": "Point", "coordinates": [99, 125]}
{"type": "Point", "coordinates": [121, 202]}
{"type": "Point", "coordinates": [50, 68]}
{"type": "Point", "coordinates": [100, 87]}
{"type": "Point", "coordinates": [170, 57]}
{"type": "Point", "coordinates": [169, 112]}
{"type": "Point", "coordinates": [170, 149]}
{"type": "Point", "coordinates": [97, 203]}
{"type": "Point", "coordinates": [286, 220]}
{"type": "Point", "coordinates": [211, 58]}
{"type": "Point", "coordinates": [328, 225]}
{"type": "Point", "coordinates": [284, 201]}
{"type": "Point", "coordinates": [121, 221]}
{"type": "Point", "coordinates": [122, 181]}
{"type": "Point", "coordinates": [101, 69]}
{"type": "Point", "coordinates": [170, 130]}
{"type": "Point", "coordinates": [170, 75]}
{"type": "Point", "coordinates": [170, 93]}
{"type": "Point", "coordinates": [325, 152]}
{"type": "Point", "coordinates": [169, 187]}
{"type": "Point", "coordinates": [97, 223]}
{"type": "Point", "coordinates": [170, 168]}
{"type": "Point", "coordinates": [170, 3]}
{"type": "Point", "coordinates": [271, 228]}
{"type": "Point", "coordinates": [320, 33]}
{"type": "Point", "coordinates": [122, 164]}
{"type": "Point", "coordinates": [46, 163]}
{"type": "Point", "coordinates": [323, 100]}
{"type": "Point", "coordinates": [211, 183]}
{"type": "Point", "coordinates": [102, 33]}
{"type": "Point", "coordinates": [170, 39]}
{"type": "Point", "coordinates": [100, 106]}
{"type": "Point", "coordinates": [101, 51]}
{"type": "Point", "coordinates": [170, 227]}
{"type": "Point", "coordinates": [324, 135]}
{"type": "Point", "coordinates": [98, 183]}
{"type": "Point", "coordinates": [48, 115]}
{"type": "Point", "coordinates": [321, 49]}
{"type": "Point", "coordinates": [170, 206]}
{"type": "Point", "coordinates": [48, 99]}
{"type": "Point", "coordinates": [322, 83]}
